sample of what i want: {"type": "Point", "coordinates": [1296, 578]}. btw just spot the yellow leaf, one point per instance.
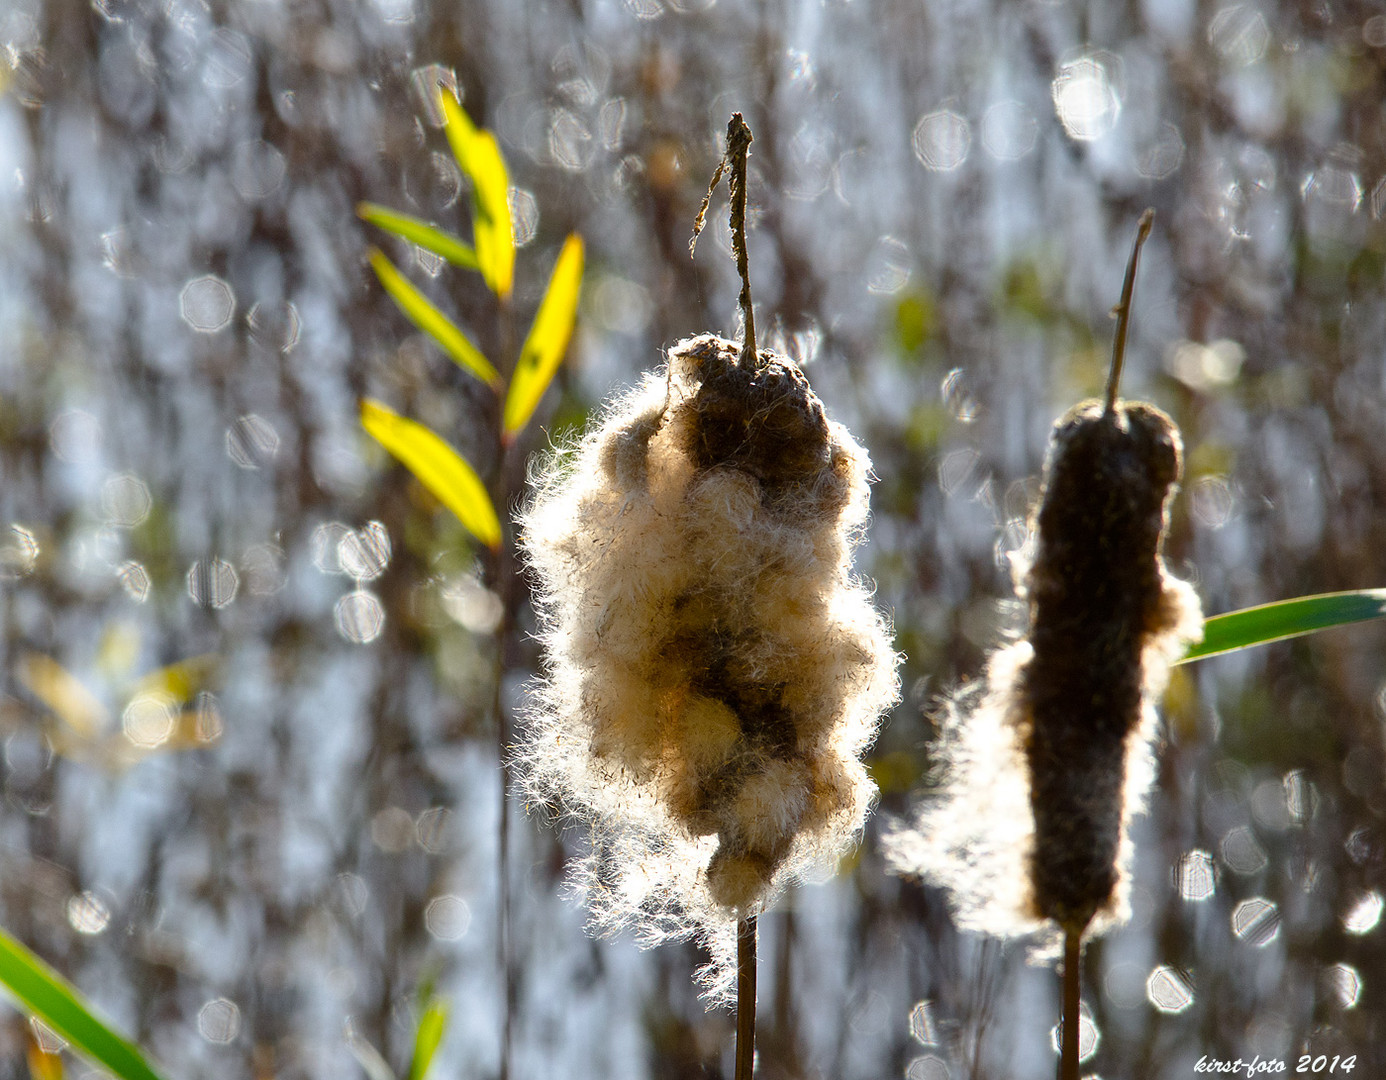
{"type": "Point", "coordinates": [433, 322]}
{"type": "Point", "coordinates": [417, 231]}
{"type": "Point", "coordinates": [548, 339]}
{"type": "Point", "coordinates": [61, 691]}
{"type": "Point", "coordinates": [478, 154]}
{"type": "Point", "coordinates": [179, 681]}
{"type": "Point", "coordinates": [438, 467]}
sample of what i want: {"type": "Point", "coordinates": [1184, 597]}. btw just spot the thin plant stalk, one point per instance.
{"type": "Point", "coordinates": [1071, 1025]}
{"type": "Point", "coordinates": [1123, 310]}
{"type": "Point", "coordinates": [745, 997]}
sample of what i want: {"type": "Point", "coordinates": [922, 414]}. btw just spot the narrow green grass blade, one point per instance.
{"type": "Point", "coordinates": [438, 467]}
{"type": "Point", "coordinates": [1286, 619]}
{"type": "Point", "coordinates": [433, 322]}
{"type": "Point", "coordinates": [42, 992]}
{"type": "Point", "coordinates": [427, 1038]}
{"type": "Point", "coordinates": [417, 231]}
{"type": "Point", "coordinates": [548, 338]}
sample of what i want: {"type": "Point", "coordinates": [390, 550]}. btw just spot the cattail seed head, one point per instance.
{"type": "Point", "coordinates": [1044, 762]}
{"type": "Point", "coordinates": [713, 671]}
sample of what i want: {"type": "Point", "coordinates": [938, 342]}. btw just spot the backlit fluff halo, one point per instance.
{"type": "Point", "coordinates": [713, 671]}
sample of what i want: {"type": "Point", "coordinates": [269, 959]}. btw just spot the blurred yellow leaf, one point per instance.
{"type": "Point", "coordinates": [478, 154]}
{"type": "Point", "coordinates": [438, 467]}
{"type": "Point", "coordinates": [182, 680]}
{"type": "Point", "coordinates": [431, 321]}
{"type": "Point", "coordinates": [548, 339]}
{"type": "Point", "coordinates": [417, 231]}
{"type": "Point", "coordinates": [60, 690]}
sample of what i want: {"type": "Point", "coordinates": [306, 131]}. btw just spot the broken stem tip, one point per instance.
{"type": "Point", "coordinates": [1123, 310]}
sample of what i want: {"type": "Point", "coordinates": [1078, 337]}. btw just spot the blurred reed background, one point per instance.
{"type": "Point", "coordinates": [253, 864]}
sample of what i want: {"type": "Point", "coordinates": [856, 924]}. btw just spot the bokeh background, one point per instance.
{"type": "Point", "coordinates": [256, 862]}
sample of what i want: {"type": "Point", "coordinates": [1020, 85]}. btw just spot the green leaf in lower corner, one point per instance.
{"type": "Point", "coordinates": [1286, 619]}
{"type": "Point", "coordinates": [42, 992]}
{"type": "Point", "coordinates": [427, 1038]}
{"type": "Point", "coordinates": [417, 231]}
{"type": "Point", "coordinates": [438, 467]}
{"type": "Point", "coordinates": [548, 339]}
{"type": "Point", "coordinates": [431, 321]}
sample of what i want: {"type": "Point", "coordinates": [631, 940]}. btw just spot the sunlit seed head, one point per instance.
{"type": "Point", "coordinates": [149, 719]}
{"type": "Point", "coordinates": [1256, 921]}
{"type": "Point", "coordinates": [1363, 916]}
{"type": "Point", "coordinates": [942, 140]}
{"type": "Point", "coordinates": [1195, 876]}
{"type": "Point", "coordinates": [252, 441]}
{"type": "Point", "coordinates": [126, 501]}
{"type": "Point", "coordinates": [922, 1026]}
{"type": "Point", "coordinates": [207, 304]}
{"type": "Point", "coordinates": [1085, 99]}
{"type": "Point", "coordinates": [87, 913]}
{"type": "Point", "coordinates": [1344, 984]}
{"type": "Point", "coordinates": [212, 583]}
{"type": "Point", "coordinates": [447, 917]}
{"type": "Point", "coordinates": [219, 1021]}
{"type": "Point", "coordinates": [1169, 990]}
{"type": "Point", "coordinates": [359, 616]}
{"type": "Point", "coordinates": [1089, 1038]}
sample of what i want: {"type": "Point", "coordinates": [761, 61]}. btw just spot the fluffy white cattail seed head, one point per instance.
{"type": "Point", "coordinates": [713, 670]}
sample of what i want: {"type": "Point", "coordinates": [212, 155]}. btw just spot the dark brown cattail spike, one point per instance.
{"type": "Point", "coordinates": [1123, 309]}
{"type": "Point", "coordinates": [734, 164]}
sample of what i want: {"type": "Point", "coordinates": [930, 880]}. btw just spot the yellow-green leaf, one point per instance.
{"type": "Point", "coordinates": [427, 1037]}
{"type": "Point", "coordinates": [548, 339]}
{"type": "Point", "coordinates": [478, 154]}
{"type": "Point", "coordinates": [433, 322]}
{"type": "Point", "coordinates": [438, 467]}
{"type": "Point", "coordinates": [417, 231]}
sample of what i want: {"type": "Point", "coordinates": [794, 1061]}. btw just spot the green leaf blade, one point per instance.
{"type": "Point", "coordinates": [1286, 619]}
{"type": "Point", "coordinates": [45, 994]}
{"type": "Point", "coordinates": [478, 155]}
{"type": "Point", "coordinates": [547, 341]}
{"type": "Point", "coordinates": [417, 231]}
{"type": "Point", "coordinates": [438, 467]}
{"type": "Point", "coordinates": [427, 1038]}
{"type": "Point", "coordinates": [421, 312]}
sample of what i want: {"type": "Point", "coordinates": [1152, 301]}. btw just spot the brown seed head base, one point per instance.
{"type": "Point", "coordinates": [713, 669]}
{"type": "Point", "coordinates": [1100, 599]}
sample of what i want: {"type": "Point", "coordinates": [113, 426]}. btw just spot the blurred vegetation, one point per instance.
{"type": "Point", "coordinates": [942, 199]}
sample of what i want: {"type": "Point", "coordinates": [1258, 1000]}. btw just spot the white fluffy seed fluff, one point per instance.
{"type": "Point", "coordinates": [713, 671]}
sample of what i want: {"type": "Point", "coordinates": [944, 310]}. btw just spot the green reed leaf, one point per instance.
{"type": "Point", "coordinates": [433, 322]}
{"type": "Point", "coordinates": [41, 991]}
{"type": "Point", "coordinates": [1286, 619]}
{"type": "Point", "coordinates": [427, 1038]}
{"type": "Point", "coordinates": [438, 467]}
{"type": "Point", "coordinates": [417, 231]}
